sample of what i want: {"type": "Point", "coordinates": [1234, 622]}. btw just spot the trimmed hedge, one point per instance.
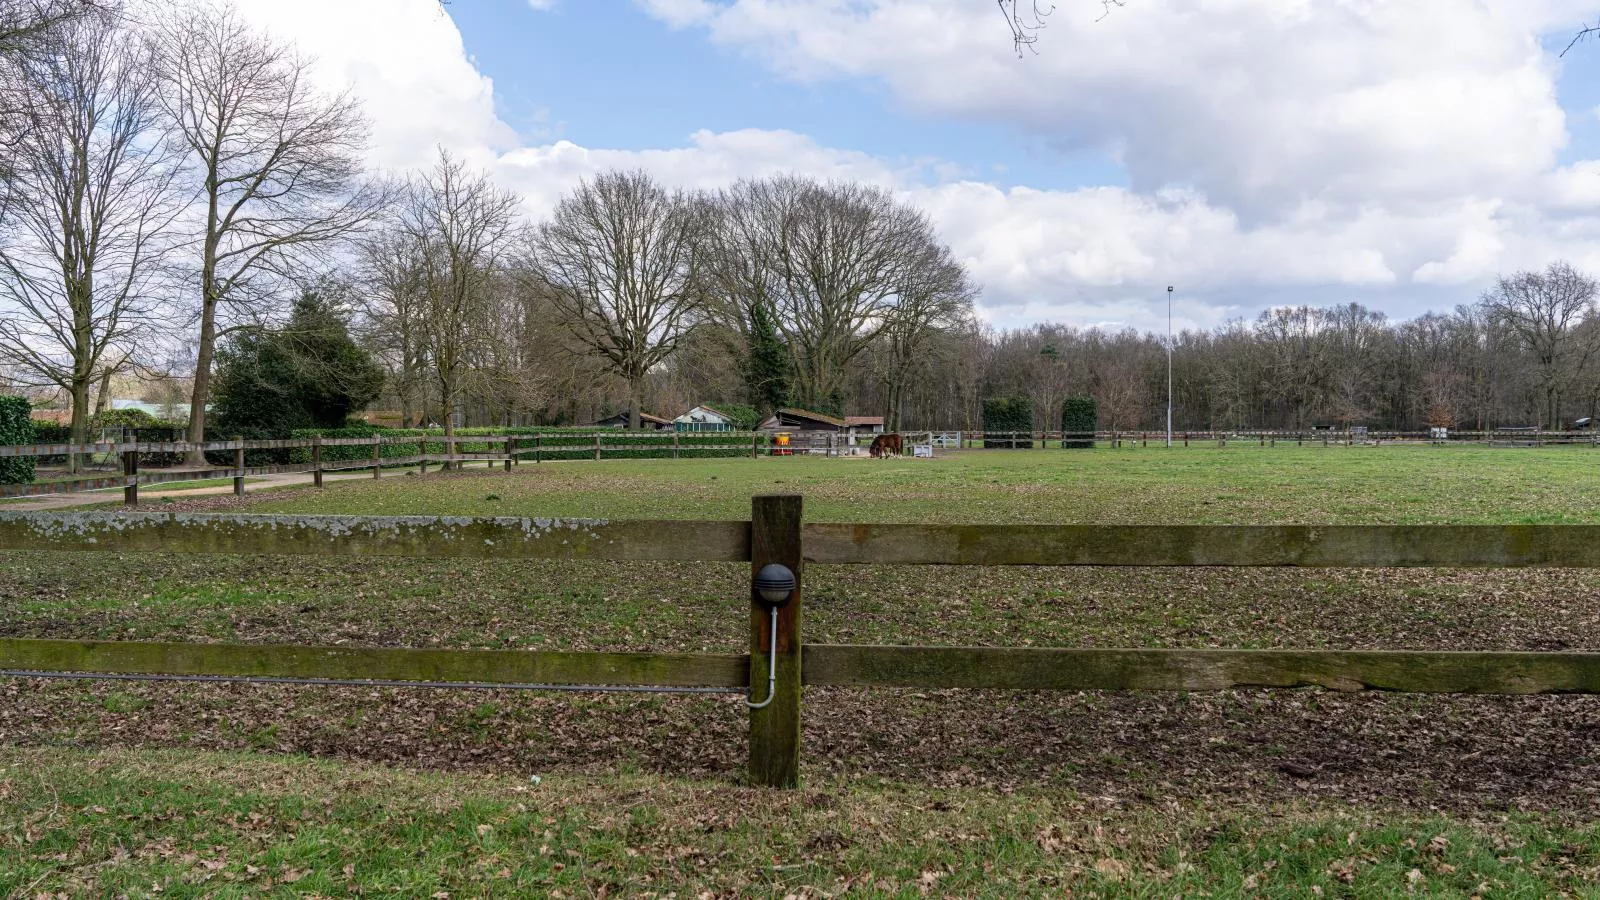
{"type": "Point", "coordinates": [16, 427]}
{"type": "Point", "coordinates": [550, 439]}
{"type": "Point", "coordinates": [50, 433]}
{"type": "Point", "coordinates": [1003, 414]}
{"type": "Point", "coordinates": [1080, 414]}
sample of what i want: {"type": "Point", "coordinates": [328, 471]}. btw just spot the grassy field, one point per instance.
{"type": "Point", "coordinates": [1200, 485]}
{"type": "Point", "coordinates": [232, 790]}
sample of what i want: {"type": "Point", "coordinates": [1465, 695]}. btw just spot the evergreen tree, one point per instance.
{"type": "Point", "coordinates": [308, 374]}
{"type": "Point", "coordinates": [767, 370]}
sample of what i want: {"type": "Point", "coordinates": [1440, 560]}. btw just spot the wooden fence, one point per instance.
{"type": "Point", "coordinates": [775, 534]}
{"type": "Point", "coordinates": [1517, 437]}
{"type": "Point", "coordinates": [512, 449]}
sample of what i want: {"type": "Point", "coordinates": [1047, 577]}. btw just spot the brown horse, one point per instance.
{"type": "Point", "coordinates": [886, 445]}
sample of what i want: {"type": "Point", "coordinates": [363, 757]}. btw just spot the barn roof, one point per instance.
{"type": "Point", "coordinates": [863, 420]}
{"type": "Point", "coordinates": [813, 416]}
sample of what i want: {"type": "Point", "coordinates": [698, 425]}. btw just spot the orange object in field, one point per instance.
{"type": "Point", "coordinates": [780, 444]}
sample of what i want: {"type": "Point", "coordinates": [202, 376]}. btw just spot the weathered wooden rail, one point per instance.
{"type": "Point", "coordinates": [775, 534]}
{"type": "Point", "coordinates": [1132, 438]}
{"type": "Point", "coordinates": [513, 449]}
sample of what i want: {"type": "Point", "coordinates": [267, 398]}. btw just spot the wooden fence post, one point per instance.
{"type": "Point", "coordinates": [377, 456]}
{"type": "Point", "coordinates": [238, 467]}
{"type": "Point", "coordinates": [775, 728]}
{"type": "Point", "coordinates": [755, 446]}
{"type": "Point", "coordinates": [511, 446]}
{"type": "Point", "coordinates": [674, 444]}
{"type": "Point", "coordinates": [316, 461]}
{"type": "Point", "coordinates": [597, 446]}
{"type": "Point", "coordinates": [130, 472]}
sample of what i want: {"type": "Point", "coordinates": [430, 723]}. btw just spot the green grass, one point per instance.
{"type": "Point", "coordinates": [182, 825]}
{"type": "Point", "coordinates": [117, 788]}
{"type": "Point", "coordinates": [1375, 485]}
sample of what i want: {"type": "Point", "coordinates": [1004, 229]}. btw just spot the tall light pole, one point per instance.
{"type": "Point", "coordinates": [1169, 365]}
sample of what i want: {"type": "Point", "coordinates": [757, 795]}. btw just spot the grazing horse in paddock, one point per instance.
{"type": "Point", "coordinates": [886, 445]}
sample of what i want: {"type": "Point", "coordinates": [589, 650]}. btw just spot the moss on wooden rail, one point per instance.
{"type": "Point", "coordinates": [454, 536]}
{"type": "Point", "coordinates": [1357, 546]}
{"type": "Point", "coordinates": [1455, 672]}
{"type": "Point", "coordinates": [377, 663]}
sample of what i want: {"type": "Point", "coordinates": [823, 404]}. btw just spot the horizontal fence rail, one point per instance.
{"type": "Point", "coordinates": [1357, 546]}
{"type": "Point", "coordinates": [835, 665]}
{"type": "Point", "coordinates": [377, 663]}
{"type": "Point", "coordinates": [345, 454]}
{"type": "Point", "coordinates": [1088, 669]}
{"type": "Point", "coordinates": [441, 536]}
{"type": "Point", "coordinates": [1314, 546]}
{"type": "Point", "coordinates": [1021, 440]}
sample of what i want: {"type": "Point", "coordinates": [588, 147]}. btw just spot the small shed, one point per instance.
{"type": "Point", "coordinates": [789, 419]}
{"type": "Point", "coordinates": [703, 418]}
{"type": "Point", "coordinates": [647, 422]}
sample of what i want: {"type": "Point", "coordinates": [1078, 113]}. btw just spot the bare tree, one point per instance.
{"type": "Point", "coordinates": [830, 259]}
{"type": "Point", "coordinates": [935, 299]}
{"type": "Point", "coordinates": [24, 24]}
{"type": "Point", "coordinates": [392, 272]}
{"type": "Point", "coordinates": [1544, 310]}
{"type": "Point", "coordinates": [27, 29]}
{"type": "Point", "coordinates": [620, 262]}
{"type": "Point", "coordinates": [459, 229]}
{"type": "Point", "coordinates": [80, 259]}
{"type": "Point", "coordinates": [275, 165]}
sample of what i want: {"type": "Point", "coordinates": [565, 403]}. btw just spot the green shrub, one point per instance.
{"type": "Point", "coordinates": [1079, 414]}
{"type": "Point", "coordinates": [16, 427]}
{"type": "Point", "coordinates": [122, 418]}
{"type": "Point", "coordinates": [50, 433]}
{"type": "Point", "coordinates": [553, 443]}
{"type": "Point", "coordinates": [1008, 414]}
{"type": "Point", "coordinates": [744, 416]}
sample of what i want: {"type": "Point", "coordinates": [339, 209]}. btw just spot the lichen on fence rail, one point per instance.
{"type": "Point", "coordinates": [455, 536]}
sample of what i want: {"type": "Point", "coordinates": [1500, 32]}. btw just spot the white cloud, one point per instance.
{"type": "Point", "coordinates": [406, 61]}
{"type": "Point", "coordinates": [1259, 104]}
{"type": "Point", "coordinates": [1283, 149]}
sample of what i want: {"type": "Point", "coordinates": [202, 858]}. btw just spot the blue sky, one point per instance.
{"type": "Point", "coordinates": [606, 74]}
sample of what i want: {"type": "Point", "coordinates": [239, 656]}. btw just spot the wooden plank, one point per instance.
{"type": "Point", "coordinates": [56, 449]}
{"type": "Point", "coordinates": [775, 727]}
{"type": "Point", "coordinates": [455, 536]}
{"type": "Point", "coordinates": [1078, 669]}
{"type": "Point", "coordinates": [379, 663]}
{"type": "Point", "coordinates": [62, 487]}
{"type": "Point", "coordinates": [1207, 545]}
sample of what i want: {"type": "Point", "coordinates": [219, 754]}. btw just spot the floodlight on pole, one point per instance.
{"type": "Point", "coordinates": [1169, 365]}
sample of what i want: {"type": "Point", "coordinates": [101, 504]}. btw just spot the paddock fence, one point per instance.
{"type": "Point", "coordinates": [128, 464]}
{"type": "Point", "coordinates": [130, 460]}
{"type": "Point", "coordinates": [777, 655]}
{"type": "Point", "coordinates": [1116, 439]}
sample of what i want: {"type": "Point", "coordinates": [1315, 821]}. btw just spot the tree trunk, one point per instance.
{"type": "Point", "coordinates": [80, 421]}
{"type": "Point", "coordinates": [447, 409]}
{"type": "Point", "coordinates": [102, 400]}
{"type": "Point", "coordinates": [635, 400]}
{"type": "Point", "coordinates": [202, 380]}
